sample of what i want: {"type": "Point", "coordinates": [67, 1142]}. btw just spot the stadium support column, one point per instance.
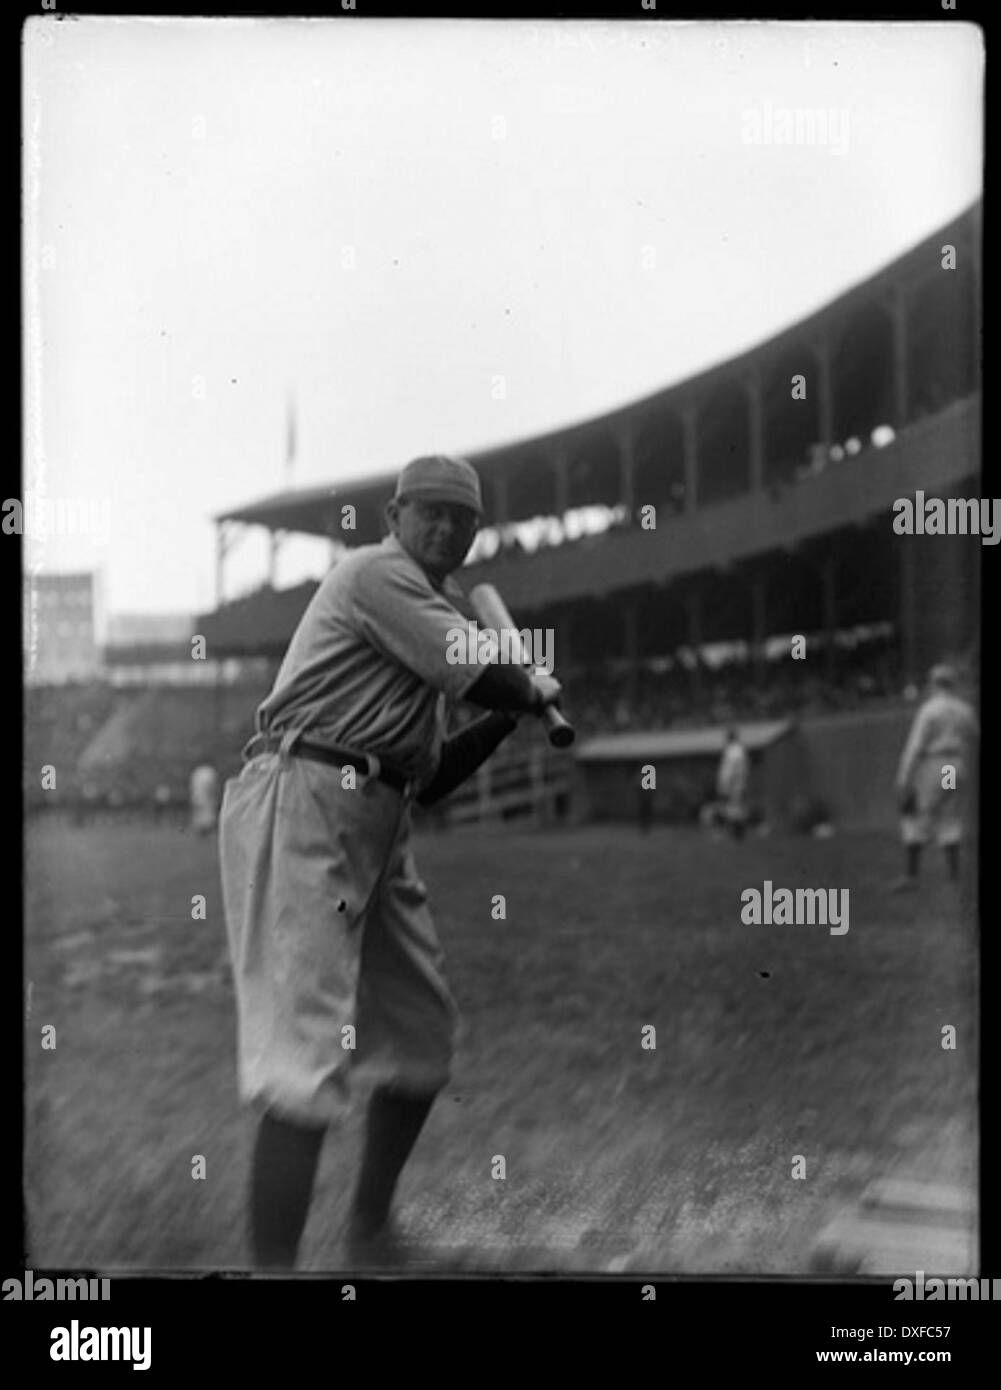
{"type": "Point", "coordinates": [898, 308]}
{"type": "Point", "coordinates": [825, 399]}
{"type": "Point", "coordinates": [218, 702]}
{"type": "Point", "coordinates": [563, 625]}
{"type": "Point", "coordinates": [627, 490]}
{"type": "Point", "coordinates": [690, 425]}
{"type": "Point", "coordinates": [752, 385]}
{"type": "Point", "coordinates": [223, 541]}
{"type": "Point", "coordinates": [561, 465]}
{"type": "Point", "coordinates": [694, 611]}
{"type": "Point", "coordinates": [907, 615]}
{"type": "Point", "coordinates": [829, 581]}
{"type": "Point", "coordinates": [759, 620]}
{"type": "Point", "coordinates": [273, 551]}
{"type": "Point", "coordinates": [631, 646]}
{"type": "Point", "coordinates": [501, 509]}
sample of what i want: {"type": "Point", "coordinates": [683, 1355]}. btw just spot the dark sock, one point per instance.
{"type": "Point", "coordinates": [393, 1123]}
{"type": "Point", "coordinates": [285, 1161]}
{"type": "Point", "coordinates": [913, 860]}
{"type": "Point", "coordinates": [952, 860]}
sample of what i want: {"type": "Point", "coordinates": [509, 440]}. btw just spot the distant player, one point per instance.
{"type": "Point", "coordinates": [932, 780]}
{"type": "Point", "coordinates": [204, 793]}
{"type": "Point", "coordinates": [161, 801]}
{"type": "Point", "coordinates": [731, 785]}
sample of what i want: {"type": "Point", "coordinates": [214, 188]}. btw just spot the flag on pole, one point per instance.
{"type": "Point", "coordinates": [290, 440]}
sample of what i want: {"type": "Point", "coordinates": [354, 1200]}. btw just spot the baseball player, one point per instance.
{"type": "Point", "coordinates": [931, 799]}
{"type": "Point", "coordinates": [337, 966]}
{"type": "Point", "coordinates": [203, 790]}
{"type": "Point", "coordinates": [731, 784]}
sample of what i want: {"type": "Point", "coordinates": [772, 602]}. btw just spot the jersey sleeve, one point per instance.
{"type": "Point", "coordinates": [396, 610]}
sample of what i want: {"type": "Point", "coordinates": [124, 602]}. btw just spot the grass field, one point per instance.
{"type": "Point", "coordinates": [772, 1042]}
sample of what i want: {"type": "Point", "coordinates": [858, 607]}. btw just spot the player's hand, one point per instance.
{"type": "Point", "coordinates": [548, 690]}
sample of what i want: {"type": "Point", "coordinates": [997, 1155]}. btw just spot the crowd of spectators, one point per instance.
{"type": "Point", "coordinates": [603, 701]}
{"type": "Point", "coordinates": [115, 749]}
{"type": "Point", "coordinates": [135, 749]}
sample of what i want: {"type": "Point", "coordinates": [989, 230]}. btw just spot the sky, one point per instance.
{"type": "Point", "coordinates": [432, 235]}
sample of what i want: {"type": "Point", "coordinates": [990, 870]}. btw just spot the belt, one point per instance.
{"type": "Point", "coordinates": [325, 753]}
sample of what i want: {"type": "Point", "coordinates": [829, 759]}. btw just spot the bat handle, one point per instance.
{"type": "Point", "coordinates": [561, 731]}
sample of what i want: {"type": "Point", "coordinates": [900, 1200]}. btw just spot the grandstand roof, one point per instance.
{"type": "Point", "coordinates": [679, 743]}
{"type": "Point", "coordinates": [316, 510]}
{"type": "Point", "coordinates": [939, 454]}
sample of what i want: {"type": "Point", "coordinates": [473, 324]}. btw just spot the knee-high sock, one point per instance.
{"type": "Point", "coordinates": [285, 1161]}
{"type": "Point", "coordinates": [952, 860]}
{"type": "Point", "coordinates": [394, 1121]}
{"type": "Point", "coordinates": [913, 860]}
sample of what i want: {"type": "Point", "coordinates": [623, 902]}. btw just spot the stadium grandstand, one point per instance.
{"type": "Point", "coordinates": [676, 544]}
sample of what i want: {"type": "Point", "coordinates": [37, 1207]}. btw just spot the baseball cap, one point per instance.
{"type": "Point", "coordinates": [441, 478]}
{"type": "Point", "coordinates": [943, 674]}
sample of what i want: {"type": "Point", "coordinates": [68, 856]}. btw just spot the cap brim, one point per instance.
{"type": "Point", "coordinates": [436, 494]}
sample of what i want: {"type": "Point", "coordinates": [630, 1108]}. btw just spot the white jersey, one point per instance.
{"type": "Point", "coordinates": [369, 662]}
{"type": "Point", "coordinates": [204, 785]}
{"type": "Point", "coordinates": [944, 727]}
{"type": "Point", "coordinates": [731, 780]}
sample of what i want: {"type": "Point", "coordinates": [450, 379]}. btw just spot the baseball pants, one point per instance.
{"type": "Point", "coordinates": [337, 967]}
{"type": "Point", "coordinates": [940, 811]}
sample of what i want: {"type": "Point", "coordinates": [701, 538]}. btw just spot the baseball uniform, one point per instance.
{"type": "Point", "coordinates": [204, 793]}
{"type": "Point", "coordinates": [327, 917]}
{"type": "Point", "coordinates": [943, 733]}
{"type": "Point", "coordinates": [731, 782]}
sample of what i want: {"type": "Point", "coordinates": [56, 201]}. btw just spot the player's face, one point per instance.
{"type": "Point", "coordinates": [437, 534]}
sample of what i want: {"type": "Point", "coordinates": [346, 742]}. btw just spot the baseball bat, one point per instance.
{"type": "Point", "coordinates": [492, 612]}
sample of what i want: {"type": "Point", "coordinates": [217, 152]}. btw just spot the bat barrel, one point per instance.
{"type": "Point", "coordinates": [561, 731]}
{"type": "Point", "coordinates": [492, 611]}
